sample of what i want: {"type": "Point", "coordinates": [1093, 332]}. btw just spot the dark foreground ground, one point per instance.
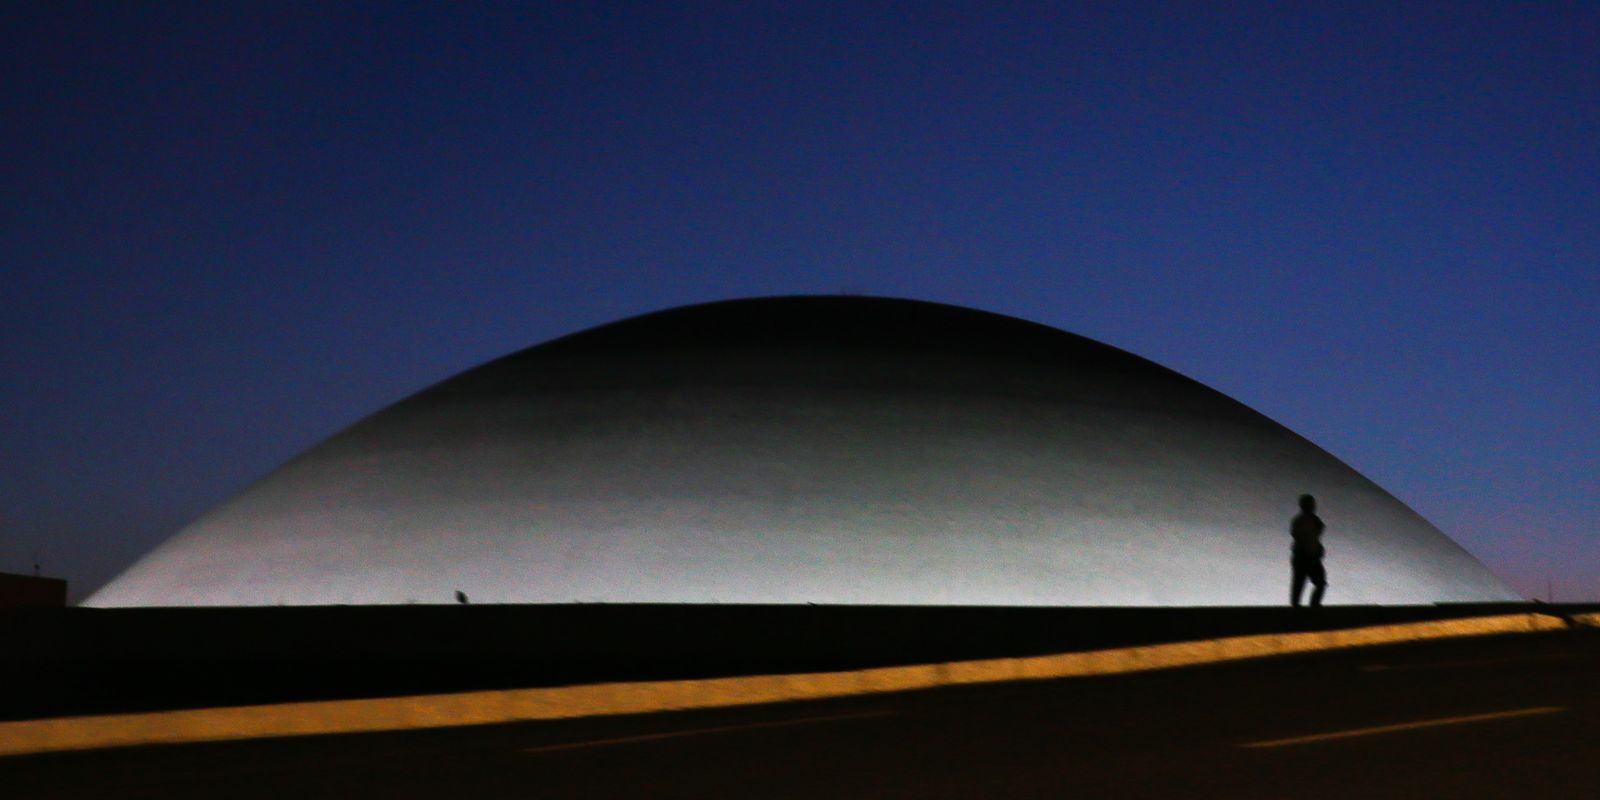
{"type": "Point", "coordinates": [63, 662]}
{"type": "Point", "coordinates": [1496, 717]}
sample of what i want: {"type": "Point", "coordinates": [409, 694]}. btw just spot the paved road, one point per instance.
{"type": "Point", "coordinates": [1515, 716]}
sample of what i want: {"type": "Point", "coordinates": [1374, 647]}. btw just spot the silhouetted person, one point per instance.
{"type": "Point", "coordinates": [1306, 554]}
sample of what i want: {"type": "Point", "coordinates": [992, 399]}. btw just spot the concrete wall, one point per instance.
{"type": "Point", "coordinates": [30, 591]}
{"type": "Point", "coordinates": [85, 661]}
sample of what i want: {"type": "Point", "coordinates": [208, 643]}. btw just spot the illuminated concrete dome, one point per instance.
{"type": "Point", "coordinates": [806, 450]}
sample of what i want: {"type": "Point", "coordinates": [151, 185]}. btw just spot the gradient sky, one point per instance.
{"type": "Point", "coordinates": [228, 230]}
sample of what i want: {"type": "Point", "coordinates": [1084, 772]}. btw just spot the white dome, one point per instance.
{"type": "Point", "coordinates": [827, 450]}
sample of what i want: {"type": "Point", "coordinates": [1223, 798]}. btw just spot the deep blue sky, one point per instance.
{"type": "Point", "coordinates": [228, 230]}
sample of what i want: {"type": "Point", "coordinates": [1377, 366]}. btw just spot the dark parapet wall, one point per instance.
{"type": "Point", "coordinates": [32, 591]}
{"type": "Point", "coordinates": [93, 661]}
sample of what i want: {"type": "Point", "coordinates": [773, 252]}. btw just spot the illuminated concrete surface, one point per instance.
{"type": "Point", "coordinates": [796, 450]}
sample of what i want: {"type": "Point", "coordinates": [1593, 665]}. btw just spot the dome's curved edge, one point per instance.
{"type": "Point", "coordinates": [815, 301]}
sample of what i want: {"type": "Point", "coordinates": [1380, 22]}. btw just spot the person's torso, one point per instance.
{"type": "Point", "coordinates": [1307, 532]}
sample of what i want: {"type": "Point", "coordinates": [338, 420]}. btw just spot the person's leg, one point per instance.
{"type": "Point", "coordinates": [1297, 583]}
{"type": "Point", "coordinates": [1319, 579]}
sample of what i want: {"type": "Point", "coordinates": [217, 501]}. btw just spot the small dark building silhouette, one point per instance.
{"type": "Point", "coordinates": [32, 591]}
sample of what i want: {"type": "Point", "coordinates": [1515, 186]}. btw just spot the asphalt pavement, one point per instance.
{"type": "Point", "coordinates": [1494, 717]}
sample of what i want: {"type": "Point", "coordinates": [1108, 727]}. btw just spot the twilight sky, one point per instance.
{"type": "Point", "coordinates": [228, 230]}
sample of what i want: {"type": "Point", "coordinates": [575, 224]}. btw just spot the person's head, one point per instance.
{"type": "Point", "coordinates": [1308, 503]}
